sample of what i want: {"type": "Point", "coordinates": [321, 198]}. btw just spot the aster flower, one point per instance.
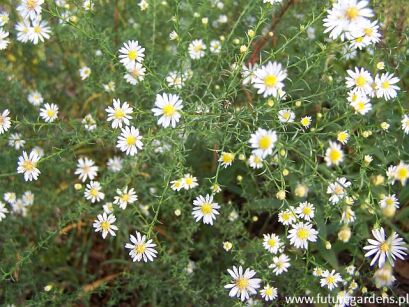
{"type": "Point", "coordinates": [27, 165]}
{"type": "Point", "coordinates": [382, 249]}
{"type": "Point", "coordinates": [141, 248]}
{"type": "Point", "coordinates": [243, 284]}
{"type": "Point", "coordinates": [205, 209]}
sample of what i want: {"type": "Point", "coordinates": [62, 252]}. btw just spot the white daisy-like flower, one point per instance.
{"type": "Point", "coordinates": [23, 31]}
{"type": "Point", "coordinates": [88, 5]}
{"type": "Point", "coordinates": [361, 105]}
{"type": "Point", "coordinates": [272, 243]}
{"type": "Point", "coordinates": [135, 74]}
{"type": "Point", "coordinates": [168, 107]}
{"type": "Point", "coordinates": [243, 284]}
{"type": "Point", "coordinates": [385, 86]}
{"type": "Point", "coordinates": [49, 112]}
{"type": "Point", "coordinates": [176, 79]}
{"type": "Point", "coordinates": [263, 142]}
{"type": "Point", "coordinates": [344, 16]}
{"type": "Point", "coordinates": [118, 114]}
{"type": "Point", "coordinates": [269, 293]}
{"type": "Point", "coordinates": [93, 192]}
{"type": "Point", "coordinates": [28, 198]}
{"type": "Point", "coordinates": [248, 73]}
{"type": "Point", "coordinates": [30, 9]}
{"type": "Point", "coordinates": [389, 201]}
{"type": "Point", "coordinates": [405, 123]}
{"type": "Point", "coordinates": [338, 190]}
{"type": "Point", "coordinates": [330, 279]}
{"type": "Point", "coordinates": [114, 164]}
{"type": "Point", "coordinates": [4, 41]}
{"type": "Point", "coordinates": [129, 141]}
{"type": "Point", "coordinates": [360, 80]}
{"type": "Point", "coordinates": [305, 211]}
{"type": "Point", "coordinates": [105, 224]}
{"type": "Point", "coordinates": [16, 141]}
{"type": "Point", "coordinates": [306, 122]}
{"type": "Point", "coordinates": [85, 72]}
{"type": "Point", "coordinates": [176, 185]}
{"type": "Point", "coordinates": [35, 98]}
{"type": "Point", "coordinates": [10, 197]}
{"type": "Point", "coordinates": [39, 32]}
{"type": "Point", "coordinates": [255, 161]}
{"type": "Point", "coordinates": [205, 209]}
{"type": "Point", "coordinates": [141, 248]}
{"type": "Point", "coordinates": [226, 159]}
{"type": "Point", "coordinates": [125, 197]}
{"type": "Point", "coordinates": [286, 116]}
{"type": "Point", "coordinates": [215, 46]}
{"type": "Point", "coordinates": [280, 264]}
{"type": "Point", "coordinates": [343, 137]}
{"type": "Point", "coordinates": [317, 272]}
{"type": "Point", "coordinates": [4, 18]}
{"type": "Point", "coordinates": [301, 233]}
{"type": "Point", "coordinates": [189, 182]}
{"type": "Point", "coordinates": [366, 35]}
{"type": "Point", "coordinates": [269, 79]}
{"type": "Point", "coordinates": [197, 49]}
{"type": "Point", "coordinates": [27, 165]}
{"type": "Point", "coordinates": [108, 207]}
{"type": "Point", "coordinates": [131, 53]}
{"type": "Point", "coordinates": [385, 249]}
{"type": "Point", "coordinates": [3, 211]}
{"type": "Point", "coordinates": [399, 172]}
{"type": "Point", "coordinates": [86, 169]}
{"type": "Point", "coordinates": [384, 276]}
{"type": "Point", "coordinates": [109, 87]}
{"type": "Point", "coordinates": [5, 122]}
{"type": "Point", "coordinates": [287, 217]}
{"type": "Point", "coordinates": [334, 154]}
{"type": "Point", "coordinates": [348, 215]}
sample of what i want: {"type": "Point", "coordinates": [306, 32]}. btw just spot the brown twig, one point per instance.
{"type": "Point", "coordinates": [259, 44]}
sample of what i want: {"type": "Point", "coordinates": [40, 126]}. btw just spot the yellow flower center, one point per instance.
{"type": "Point", "coordinates": [37, 29]}
{"type": "Point", "coordinates": [31, 4]}
{"type": "Point", "coordinates": [360, 106]}
{"type": "Point", "coordinates": [206, 208]}
{"type": "Point", "coordinates": [169, 110]}
{"type": "Point", "coordinates": [306, 210]}
{"type": "Point", "coordinates": [384, 247]}
{"type": "Point", "coordinates": [125, 197]}
{"type": "Point", "coordinates": [140, 248]}
{"type": "Point", "coordinates": [330, 280]}
{"type": "Point", "coordinates": [119, 113]}
{"type": "Point", "coordinates": [131, 140]}
{"type": "Point", "coordinates": [264, 142]}
{"type": "Point", "coordinates": [368, 31]}
{"type": "Point", "coordinates": [272, 242]}
{"type": "Point", "coordinates": [389, 201]}
{"type": "Point", "coordinates": [50, 113]}
{"type": "Point", "coordinates": [359, 39]}
{"type": "Point", "coordinates": [402, 173]}
{"type": "Point", "coordinates": [105, 225]}
{"type": "Point", "coordinates": [342, 136]}
{"type": "Point", "coordinates": [94, 192]}
{"type": "Point", "coordinates": [360, 81]}
{"type": "Point", "coordinates": [188, 181]}
{"type": "Point", "coordinates": [29, 165]}
{"type": "Point", "coordinates": [352, 13]}
{"type": "Point", "coordinates": [303, 233]}
{"type": "Point", "coordinates": [270, 80]}
{"type": "Point", "coordinates": [198, 47]}
{"type": "Point", "coordinates": [227, 157]}
{"type": "Point", "coordinates": [385, 85]}
{"type": "Point", "coordinates": [338, 189]}
{"type": "Point", "coordinates": [2, 120]}
{"type": "Point", "coordinates": [269, 291]}
{"type": "Point", "coordinates": [242, 283]}
{"type": "Point", "coordinates": [132, 55]}
{"type": "Point", "coordinates": [335, 155]}
{"type": "Point", "coordinates": [305, 121]}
